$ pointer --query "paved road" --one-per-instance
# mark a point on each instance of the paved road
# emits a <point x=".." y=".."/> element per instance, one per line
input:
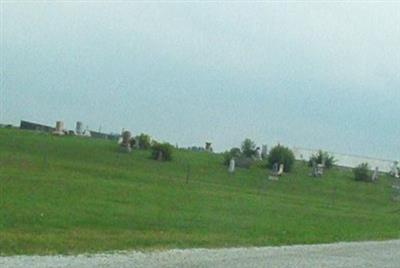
<point x="357" y="254"/>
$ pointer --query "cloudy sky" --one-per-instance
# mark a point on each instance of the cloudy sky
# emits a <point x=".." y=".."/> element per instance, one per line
<point x="314" y="75"/>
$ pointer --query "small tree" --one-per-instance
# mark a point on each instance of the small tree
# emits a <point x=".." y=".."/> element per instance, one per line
<point x="281" y="155"/>
<point x="322" y="157"/>
<point x="144" y="141"/>
<point x="248" y="148"/>
<point x="162" y="151"/>
<point x="362" y="173"/>
<point x="233" y="153"/>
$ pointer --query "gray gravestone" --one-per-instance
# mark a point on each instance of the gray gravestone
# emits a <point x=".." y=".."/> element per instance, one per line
<point x="376" y="174"/>
<point x="59" y="128"/>
<point x="126" y="141"/>
<point x="258" y="154"/>
<point x="395" y="169"/>
<point x="79" y="128"/>
<point x="264" y="151"/>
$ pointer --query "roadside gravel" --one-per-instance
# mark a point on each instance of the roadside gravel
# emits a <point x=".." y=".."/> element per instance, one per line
<point x="354" y="254"/>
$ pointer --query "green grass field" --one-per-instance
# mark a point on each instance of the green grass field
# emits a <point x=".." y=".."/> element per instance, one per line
<point x="73" y="195"/>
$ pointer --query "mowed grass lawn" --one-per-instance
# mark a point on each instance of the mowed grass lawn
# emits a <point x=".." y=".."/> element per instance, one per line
<point x="73" y="195"/>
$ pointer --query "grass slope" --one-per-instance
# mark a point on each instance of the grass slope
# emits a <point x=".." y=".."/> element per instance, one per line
<point x="72" y="195"/>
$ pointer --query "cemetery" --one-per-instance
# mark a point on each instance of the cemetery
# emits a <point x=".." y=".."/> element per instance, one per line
<point x="61" y="193"/>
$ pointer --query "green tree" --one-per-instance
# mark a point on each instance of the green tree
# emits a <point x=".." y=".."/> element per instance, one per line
<point x="322" y="157"/>
<point x="144" y="141"/>
<point x="362" y="173"/>
<point x="233" y="153"/>
<point x="248" y="148"/>
<point x="162" y="151"/>
<point x="281" y="155"/>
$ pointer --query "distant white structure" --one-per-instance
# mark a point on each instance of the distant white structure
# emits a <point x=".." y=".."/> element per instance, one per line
<point x="346" y="160"/>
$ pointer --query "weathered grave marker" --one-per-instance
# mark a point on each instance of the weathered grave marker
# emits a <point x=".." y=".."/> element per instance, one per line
<point x="126" y="141"/>
<point x="231" y="168"/>
<point x="375" y="174"/>
<point x="59" y="128"/>
<point x="264" y="151"/>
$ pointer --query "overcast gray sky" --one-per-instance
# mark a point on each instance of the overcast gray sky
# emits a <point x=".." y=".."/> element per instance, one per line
<point x="317" y="75"/>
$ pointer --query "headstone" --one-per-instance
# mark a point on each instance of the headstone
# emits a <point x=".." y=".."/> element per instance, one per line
<point x="264" y="151"/>
<point x="320" y="169"/>
<point x="273" y="178"/>
<point x="281" y="168"/>
<point x="231" y="168"/>
<point x="275" y="167"/>
<point x="395" y="169"/>
<point x="86" y="133"/>
<point x="160" y="156"/>
<point x="314" y="172"/>
<point x="208" y="147"/>
<point x="396" y="191"/>
<point x="258" y="154"/>
<point x="137" y="142"/>
<point x="126" y="144"/>
<point x="79" y="128"/>
<point x="59" y="128"/>
<point x="375" y="175"/>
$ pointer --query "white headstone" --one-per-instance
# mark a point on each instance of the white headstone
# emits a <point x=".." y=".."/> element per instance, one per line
<point x="231" y="168"/>
<point x="208" y="147"/>
<point x="258" y="154"/>
<point x="126" y="138"/>
<point x="264" y="151"/>
<point x="395" y="169"/>
<point x="320" y="169"/>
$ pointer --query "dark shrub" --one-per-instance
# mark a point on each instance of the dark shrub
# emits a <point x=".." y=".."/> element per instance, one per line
<point x="248" y="148"/>
<point x="322" y="157"/>
<point x="233" y="153"/>
<point x="132" y="142"/>
<point x="244" y="162"/>
<point x="362" y="173"/>
<point x="281" y="155"/>
<point x="161" y="151"/>
<point x="144" y="141"/>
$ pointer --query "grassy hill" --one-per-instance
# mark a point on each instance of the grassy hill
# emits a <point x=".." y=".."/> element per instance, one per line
<point x="71" y="195"/>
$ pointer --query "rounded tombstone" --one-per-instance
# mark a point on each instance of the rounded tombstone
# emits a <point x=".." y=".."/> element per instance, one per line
<point x="126" y="141"/>
<point x="59" y="128"/>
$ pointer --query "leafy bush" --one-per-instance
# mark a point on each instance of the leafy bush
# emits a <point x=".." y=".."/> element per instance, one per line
<point x="362" y="173"/>
<point x="322" y="157"/>
<point x="162" y="151"/>
<point x="281" y="155"/>
<point x="248" y="148"/>
<point x="233" y="153"/>
<point x="144" y="141"/>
